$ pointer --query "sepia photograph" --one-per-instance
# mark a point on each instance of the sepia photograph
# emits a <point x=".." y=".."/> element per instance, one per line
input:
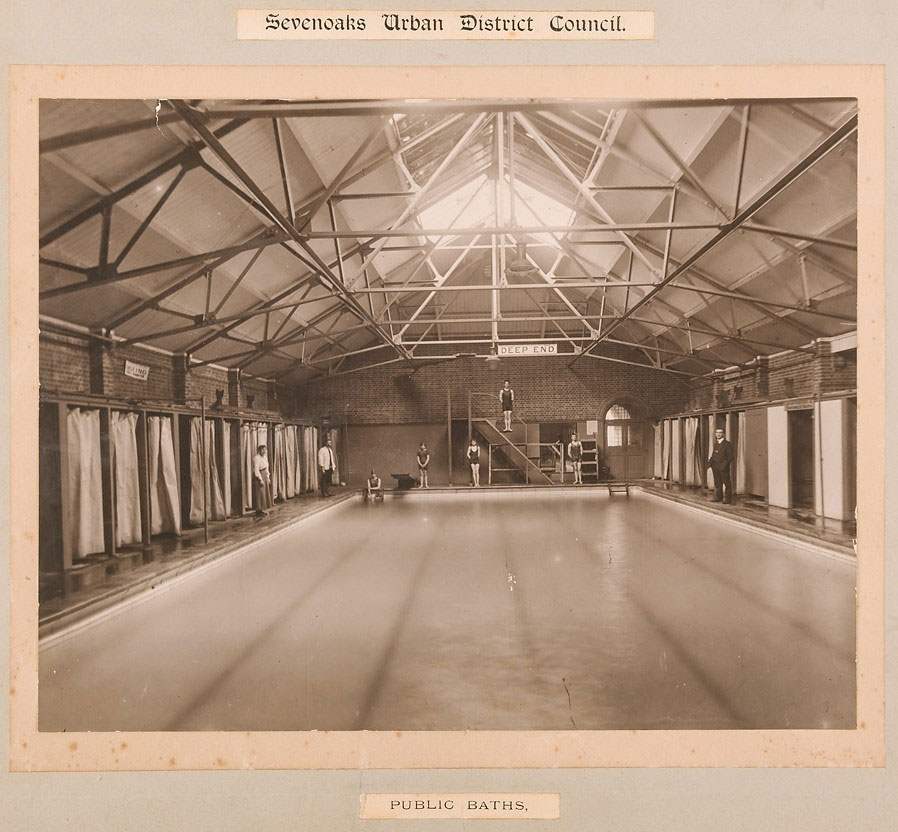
<point x="459" y="414"/>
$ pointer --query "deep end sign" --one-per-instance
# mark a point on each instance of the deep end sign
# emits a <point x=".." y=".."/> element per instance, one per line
<point x="527" y="349"/>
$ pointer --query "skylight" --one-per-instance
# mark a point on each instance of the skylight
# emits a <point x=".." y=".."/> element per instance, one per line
<point x="449" y="213"/>
<point x="474" y="204"/>
<point x="533" y="207"/>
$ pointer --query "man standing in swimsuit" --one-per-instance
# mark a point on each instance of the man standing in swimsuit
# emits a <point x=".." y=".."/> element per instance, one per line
<point x="506" y="396"/>
<point x="423" y="462"/>
<point x="575" y="454"/>
<point x="474" y="460"/>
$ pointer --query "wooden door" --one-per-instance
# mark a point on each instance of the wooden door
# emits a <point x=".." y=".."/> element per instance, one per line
<point x="625" y="443"/>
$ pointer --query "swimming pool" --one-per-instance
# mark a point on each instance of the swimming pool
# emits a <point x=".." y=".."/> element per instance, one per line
<point x="520" y="610"/>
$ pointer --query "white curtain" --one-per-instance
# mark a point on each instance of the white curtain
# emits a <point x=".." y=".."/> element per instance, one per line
<point x="665" y="461"/>
<point x="690" y="467"/>
<point x="335" y="438"/>
<point x="290" y="445"/>
<point x="85" y="482"/>
<point x="223" y="430"/>
<point x="127" y="478"/>
<point x="252" y="435"/>
<point x="279" y="463"/>
<point x="246" y="455"/>
<point x="676" y="454"/>
<point x="300" y="463"/>
<point x="740" y="454"/>
<point x="310" y="448"/>
<point x="658" y="470"/>
<point x="165" y="505"/>
<point x="215" y="501"/>
<point x="273" y="468"/>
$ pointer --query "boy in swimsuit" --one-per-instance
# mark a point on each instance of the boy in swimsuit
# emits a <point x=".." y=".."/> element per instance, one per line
<point x="575" y="454"/>
<point x="506" y="396"/>
<point x="423" y="462"/>
<point x="474" y="460"/>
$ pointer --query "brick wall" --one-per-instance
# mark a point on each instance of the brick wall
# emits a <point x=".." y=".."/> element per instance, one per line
<point x="790" y="375"/>
<point x="159" y="379"/>
<point x="839" y="371"/>
<point x="64" y="364"/>
<point x="70" y="364"/>
<point x="546" y="389"/>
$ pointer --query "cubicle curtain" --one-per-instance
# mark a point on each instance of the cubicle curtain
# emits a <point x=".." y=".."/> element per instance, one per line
<point x="215" y="501"/>
<point x="302" y="466"/>
<point x="665" y="462"/>
<point x="676" y="451"/>
<point x="290" y="453"/>
<point x="740" y="454"/>
<point x="335" y="440"/>
<point x="273" y="470"/>
<point x="690" y="467"/>
<point x="280" y="462"/>
<point x="223" y="446"/>
<point x="306" y="434"/>
<point x="246" y="455"/>
<point x="311" y="456"/>
<point x="165" y="505"/>
<point x="85" y="482"/>
<point x="127" y="478"/>
<point x="252" y="435"/>
<point x="658" y="470"/>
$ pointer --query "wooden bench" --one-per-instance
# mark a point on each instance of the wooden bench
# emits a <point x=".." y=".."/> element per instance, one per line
<point x="404" y="481"/>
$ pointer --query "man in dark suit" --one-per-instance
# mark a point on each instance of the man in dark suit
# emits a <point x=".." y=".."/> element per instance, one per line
<point x="719" y="462"/>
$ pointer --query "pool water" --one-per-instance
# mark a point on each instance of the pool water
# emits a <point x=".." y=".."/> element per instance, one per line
<point x="474" y="610"/>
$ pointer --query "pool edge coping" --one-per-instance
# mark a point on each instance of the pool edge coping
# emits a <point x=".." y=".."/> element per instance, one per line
<point x="68" y="623"/>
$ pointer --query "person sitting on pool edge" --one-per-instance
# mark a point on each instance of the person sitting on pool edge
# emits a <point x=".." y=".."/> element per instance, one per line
<point x="474" y="460"/>
<point x="374" y="489"/>
<point x="423" y="462"/>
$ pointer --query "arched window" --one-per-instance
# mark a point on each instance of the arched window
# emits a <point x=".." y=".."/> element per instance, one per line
<point x="619" y="432"/>
<point x="617" y="412"/>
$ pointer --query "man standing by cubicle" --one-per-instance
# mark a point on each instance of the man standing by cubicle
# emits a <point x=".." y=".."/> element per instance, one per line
<point x="326" y="465"/>
<point x="720" y="463"/>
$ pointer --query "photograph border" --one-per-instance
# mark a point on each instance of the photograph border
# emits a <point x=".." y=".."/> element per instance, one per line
<point x="31" y="750"/>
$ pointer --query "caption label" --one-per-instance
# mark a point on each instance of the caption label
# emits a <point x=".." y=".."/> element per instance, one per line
<point x="493" y="24"/>
<point x="529" y="806"/>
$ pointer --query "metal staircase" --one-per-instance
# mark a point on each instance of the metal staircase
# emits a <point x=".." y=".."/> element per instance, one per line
<point x="506" y="443"/>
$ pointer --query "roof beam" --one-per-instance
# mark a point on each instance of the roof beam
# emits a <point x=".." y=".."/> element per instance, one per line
<point x="475" y="126"/>
<point x="583" y="189"/>
<point x="847" y="129"/>
<point x="219" y="150"/>
<point x="338" y="180"/>
<point x="684" y="166"/>
<point x="186" y="158"/>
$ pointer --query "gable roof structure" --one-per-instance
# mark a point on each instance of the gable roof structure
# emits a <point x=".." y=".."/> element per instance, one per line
<point x="295" y="240"/>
